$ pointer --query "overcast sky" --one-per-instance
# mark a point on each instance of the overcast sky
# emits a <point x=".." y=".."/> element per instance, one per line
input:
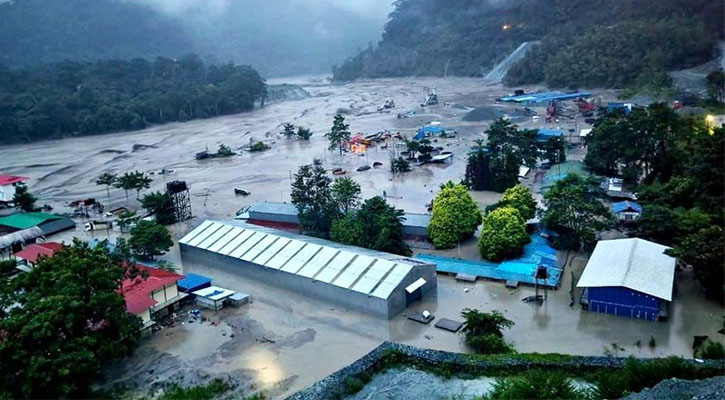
<point x="374" y="9"/>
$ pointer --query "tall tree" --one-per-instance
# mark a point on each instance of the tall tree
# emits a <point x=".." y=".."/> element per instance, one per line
<point x="23" y="198"/>
<point x="161" y="205"/>
<point x="478" y="172"/>
<point x="509" y="148"/>
<point x="572" y="207"/>
<point x="107" y="179"/>
<point x="312" y="196"/>
<point x="62" y="322"/>
<point x="148" y="239"/>
<point x="345" y="194"/>
<point x="339" y="134"/>
<point x="520" y="198"/>
<point x="127" y="181"/>
<point x="288" y="131"/>
<point x="503" y="234"/>
<point x="455" y="216"/>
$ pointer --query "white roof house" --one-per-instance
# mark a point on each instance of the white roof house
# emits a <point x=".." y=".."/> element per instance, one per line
<point x="634" y="263"/>
<point x="313" y="266"/>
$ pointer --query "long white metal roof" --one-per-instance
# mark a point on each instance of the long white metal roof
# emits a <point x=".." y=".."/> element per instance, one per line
<point x="633" y="263"/>
<point x="361" y="270"/>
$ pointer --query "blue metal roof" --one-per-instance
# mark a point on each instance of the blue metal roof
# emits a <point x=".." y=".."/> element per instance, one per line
<point x="545" y="134"/>
<point x="542" y="97"/>
<point x="621" y="206"/>
<point x="193" y="282"/>
<point x="521" y="269"/>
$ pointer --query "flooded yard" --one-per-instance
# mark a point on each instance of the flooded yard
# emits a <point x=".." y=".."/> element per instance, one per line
<point x="283" y="342"/>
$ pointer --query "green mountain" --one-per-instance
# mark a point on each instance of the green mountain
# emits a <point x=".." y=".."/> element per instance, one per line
<point x="42" y="31"/>
<point x="613" y="43"/>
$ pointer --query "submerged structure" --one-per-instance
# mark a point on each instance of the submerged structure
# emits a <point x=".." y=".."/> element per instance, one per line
<point x="368" y="281"/>
<point x="629" y="277"/>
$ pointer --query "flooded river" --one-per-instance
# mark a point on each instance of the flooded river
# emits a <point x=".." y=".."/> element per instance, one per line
<point x="284" y="342"/>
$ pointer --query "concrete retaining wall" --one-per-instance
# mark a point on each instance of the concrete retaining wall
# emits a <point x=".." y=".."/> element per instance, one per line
<point x="334" y="386"/>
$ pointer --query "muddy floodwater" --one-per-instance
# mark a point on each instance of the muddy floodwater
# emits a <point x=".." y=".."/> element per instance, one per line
<point x="283" y="342"/>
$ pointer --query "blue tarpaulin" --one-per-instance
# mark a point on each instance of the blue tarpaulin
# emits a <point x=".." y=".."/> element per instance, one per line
<point x="522" y="269"/>
<point x="193" y="282"/>
<point x="428" y="130"/>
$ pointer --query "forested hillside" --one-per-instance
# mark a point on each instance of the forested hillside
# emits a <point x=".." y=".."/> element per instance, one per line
<point x="41" y="31"/>
<point x="616" y="43"/>
<point x="73" y="98"/>
<point x="283" y="37"/>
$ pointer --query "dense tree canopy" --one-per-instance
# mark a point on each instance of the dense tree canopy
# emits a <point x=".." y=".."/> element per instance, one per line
<point x="455" y="216"/>
<point x="520" y="198"/>
<point x="148" y="239"/>
<point x="345" y="194"/>
<point x="376" y="225"/>
<point x="581" y="42"/>
<point x="503" y="234"/>
<point x="508" y="148"/>
<point x="61" y="322"/>
<point x="644" y="144"/>
<point x="83" y="98"/>
<point x="573" y="208"/>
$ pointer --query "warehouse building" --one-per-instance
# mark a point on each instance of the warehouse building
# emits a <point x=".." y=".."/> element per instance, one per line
<point x="629" y="277"/>
<point x="284" y="216"/>
<point x="368" y="281"/>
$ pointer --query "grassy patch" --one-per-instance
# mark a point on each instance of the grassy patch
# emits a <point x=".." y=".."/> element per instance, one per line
<point x="209" y="391"/>
<point x="536" y="384"/>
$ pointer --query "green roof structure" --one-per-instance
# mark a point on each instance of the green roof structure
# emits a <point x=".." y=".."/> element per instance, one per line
<point x="27" y="220"/>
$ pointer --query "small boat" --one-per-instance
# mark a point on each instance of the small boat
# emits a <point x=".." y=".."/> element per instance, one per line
<point x="363" y="168"/>
<point x="241" y="192"/>
<point x="338" y="171"/>
<point x="377" y="164"/>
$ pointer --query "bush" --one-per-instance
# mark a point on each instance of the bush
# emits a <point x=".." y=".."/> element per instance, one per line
<point x="455" y="216"/>
<point x="503" y="235"/>
<point x="258" y="146"/>
<point x="488" y="344"/>
<point x="711" y="351"/>
<point x="399" y="164"/>
<point x="483" y="331"/>
<point x="201" y="392"/>
<point x="536" y="384"/>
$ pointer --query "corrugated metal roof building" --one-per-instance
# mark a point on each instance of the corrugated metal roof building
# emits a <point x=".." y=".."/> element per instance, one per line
<point x="365" y="280"/>
<point x="48" y="223"/>
<point x="286" y="213"/>
<point x="629" y="277"/>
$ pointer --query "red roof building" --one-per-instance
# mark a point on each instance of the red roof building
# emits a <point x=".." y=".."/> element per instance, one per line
<point x="11" y="180"/>
<point x="7" y="186"/>
<point x="145" y="297"/>
<point x="32" y="252"/>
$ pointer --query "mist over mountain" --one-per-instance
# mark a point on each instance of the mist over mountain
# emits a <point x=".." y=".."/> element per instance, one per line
<point x="617" y="43"/>
<point x="282" y="37"/>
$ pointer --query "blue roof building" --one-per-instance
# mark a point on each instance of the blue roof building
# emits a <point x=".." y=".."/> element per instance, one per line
<point x="545" y="134"/>
<point x="428" y="130"/>
<point x="193" y="282"/>
<point x="626" y="210"/>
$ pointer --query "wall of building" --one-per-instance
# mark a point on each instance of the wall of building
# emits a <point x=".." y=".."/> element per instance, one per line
<point x="145" y="316"/>
<point x="208" y="261"/>
<point x="624" y="302"/>
<point x="274" y="217"/>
